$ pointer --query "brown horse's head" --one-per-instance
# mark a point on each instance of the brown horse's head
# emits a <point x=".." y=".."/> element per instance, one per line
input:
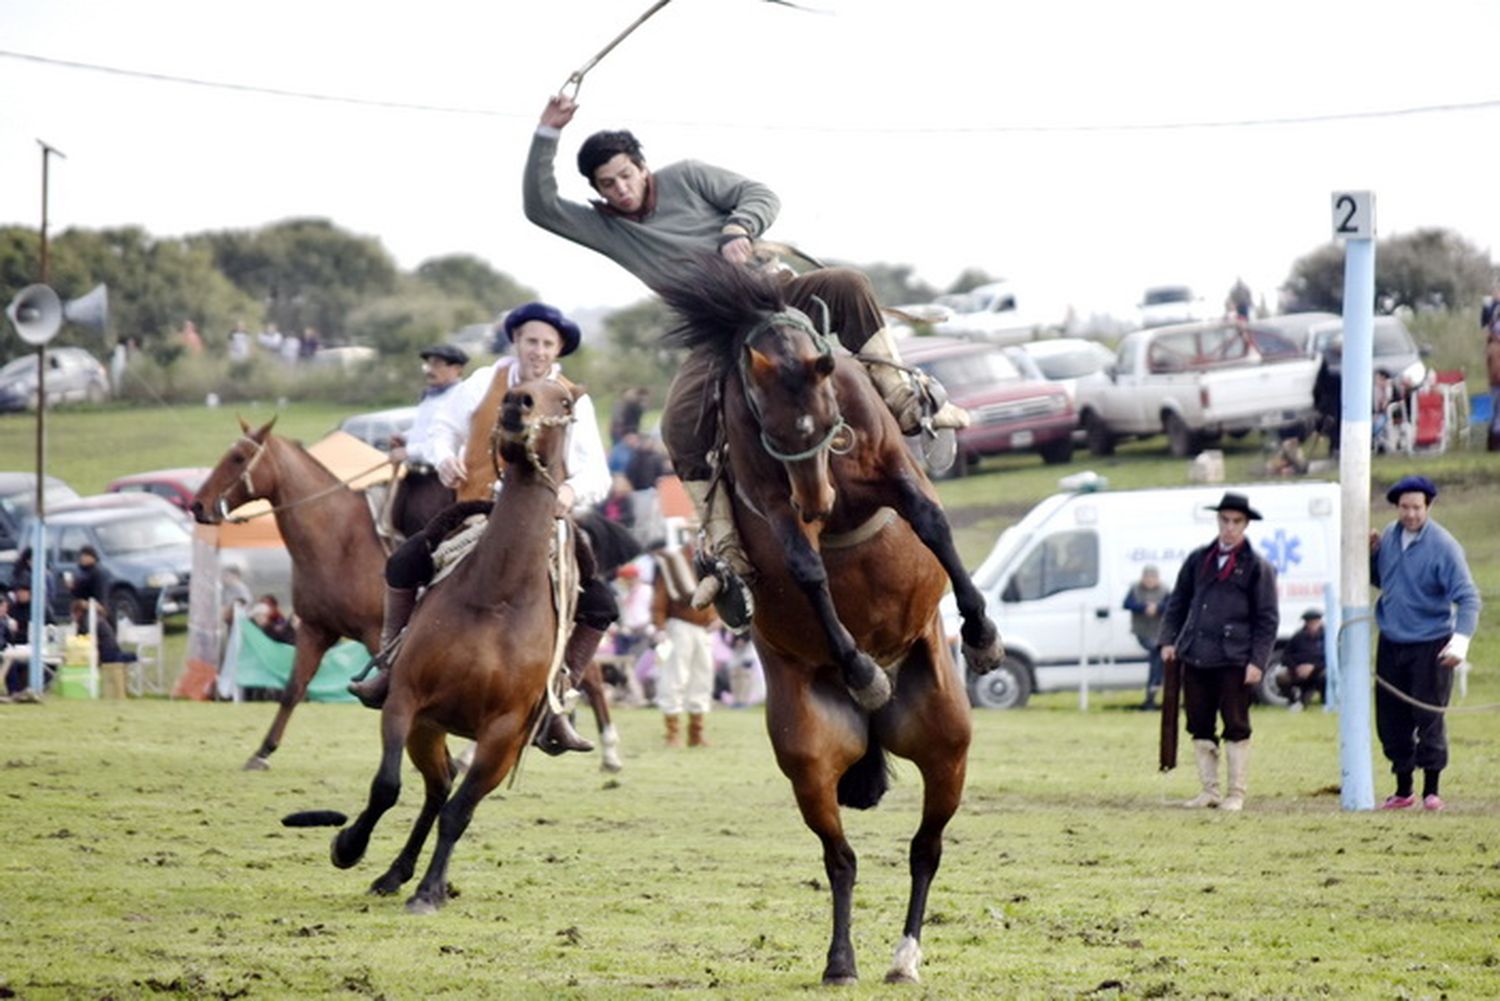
<point x="531" y="433"/>
<point x="786" y="373"/>
<point x="241" y="476"/>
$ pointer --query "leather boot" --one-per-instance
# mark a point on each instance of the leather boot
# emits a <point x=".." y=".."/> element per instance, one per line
<point x="695" y="731"/>
<point x="1207" y="753"/>
<point x="903" y="391"/>
<point x="556" y="734"/>
<point x="673" y="739"/>
<point x="373" y="688"/>
<point x="721" y="564"/>
<point x="1239" y="775"/>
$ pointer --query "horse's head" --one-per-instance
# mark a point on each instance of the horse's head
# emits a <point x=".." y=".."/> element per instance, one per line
<point x="786" y="372"/>
<point x="240" y="477"/>
<point x="532" y="430"/>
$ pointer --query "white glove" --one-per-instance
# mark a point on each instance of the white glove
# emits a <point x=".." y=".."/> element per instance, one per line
<point x="1457" y="649"/>
<point x="451" y="472"/>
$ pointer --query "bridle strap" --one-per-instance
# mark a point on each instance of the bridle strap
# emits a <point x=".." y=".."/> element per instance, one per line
<point x="793" y="317"/>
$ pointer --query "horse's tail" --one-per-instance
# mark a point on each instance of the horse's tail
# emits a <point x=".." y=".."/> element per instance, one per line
<point x="863" y="785"/>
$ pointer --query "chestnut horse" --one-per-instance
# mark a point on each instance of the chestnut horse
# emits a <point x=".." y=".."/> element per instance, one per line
<point x="478" y="652"/>
<point x="852" y="553"/>
<point x="338" y="563"/>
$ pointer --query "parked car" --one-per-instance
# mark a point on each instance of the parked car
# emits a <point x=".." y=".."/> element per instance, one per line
<point x="377" y="427"/>
<point x="996" y="312"/>
<point x="1197" y="381"/>
<point x="1394" y="348"/>
<point x="1011" y="413"/>
<point x="1162" y="305"/>
<point x="177" y="486"/>
<point x="345" y="355"/>
<point x="18" y="503"/>
<point x="145" y="554"/>
<point x="1067" y="361"/>
<point x="73" y="376"/>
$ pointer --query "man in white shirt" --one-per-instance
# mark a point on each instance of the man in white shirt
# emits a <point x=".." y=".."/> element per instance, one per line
<point x="421" y="495"/>
<point x="540" y="334"/>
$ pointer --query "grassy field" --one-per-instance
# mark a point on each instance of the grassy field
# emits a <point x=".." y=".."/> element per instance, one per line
<point x="144" y="864"/>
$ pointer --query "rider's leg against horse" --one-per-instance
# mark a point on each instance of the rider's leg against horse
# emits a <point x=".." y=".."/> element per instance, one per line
<point x="689" y="425"/>
<point x="854" y="314"/>
<point x="557" y="735"/>
<point x="597" y="610"/>
<point x="407" y="569"/>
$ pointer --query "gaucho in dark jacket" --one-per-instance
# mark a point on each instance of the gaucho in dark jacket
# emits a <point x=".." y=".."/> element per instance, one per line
<point x="1220" y="623"/>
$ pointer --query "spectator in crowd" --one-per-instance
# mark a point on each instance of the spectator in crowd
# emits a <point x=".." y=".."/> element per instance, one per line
<point x="1145" y="601"/>
<point x="311" y="343"/>
<point x="270" y="338"/>
<point x="1427" y="613"/>
<point x="15" y="654"/>
<point x="1303" y="664"/>
<point x="625" y="418"/>
<point x="190" y="338"/>
<point x="291" y="349"/>
<point x="240" y="344"/>
<point x="267" y="615"/>
<point x="105" y="642"/>
<point x="1328" y="395"/>
<point x="685" y="678"/>
<point x="89" y="582"/>
<point x="1492" y="363"/>
<point x="1221" y="623"/>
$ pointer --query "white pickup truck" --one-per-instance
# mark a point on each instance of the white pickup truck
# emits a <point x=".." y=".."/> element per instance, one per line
<point x="1195" y="382"/>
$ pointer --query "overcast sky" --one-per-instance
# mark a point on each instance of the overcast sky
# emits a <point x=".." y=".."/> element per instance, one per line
<point x="939" y="133"/>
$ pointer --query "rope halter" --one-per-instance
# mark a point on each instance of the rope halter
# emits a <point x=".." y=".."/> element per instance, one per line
<point x="531" y="429"/>
<point x="839" y="438"/>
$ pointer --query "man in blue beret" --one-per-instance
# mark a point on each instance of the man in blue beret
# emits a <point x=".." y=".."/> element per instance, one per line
<point x="1427" y="613"/>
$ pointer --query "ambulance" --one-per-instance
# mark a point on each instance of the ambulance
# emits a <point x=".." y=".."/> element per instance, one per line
<point x="1055" y="582"/>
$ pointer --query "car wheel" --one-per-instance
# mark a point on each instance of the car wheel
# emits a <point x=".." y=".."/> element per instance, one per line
<point x="1006" y="687"/>
<point x="1101" y="442"/>
<point x="124" y="603"/>
<point x="1180" y="439"/>
<point x="1268" y="693"/>
<point x="1058" y="452"/>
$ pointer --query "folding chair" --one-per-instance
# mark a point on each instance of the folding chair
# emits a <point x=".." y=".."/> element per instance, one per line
<point x="1454" y="386"/>
<point x="1430" y="422"/>
<point x="146" y="674"/>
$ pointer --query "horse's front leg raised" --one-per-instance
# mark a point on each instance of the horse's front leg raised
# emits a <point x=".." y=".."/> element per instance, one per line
<point x="862" y="676"/>
<point x="312" y="644"/>
<point x="983" y="650"/>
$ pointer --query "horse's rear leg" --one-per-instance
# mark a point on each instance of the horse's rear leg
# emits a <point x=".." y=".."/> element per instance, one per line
<point x="350" y="843"/>
<point x="983" y="650"/>
<point x="498" y="748"/>
<point x="311" y="646"/>
<point x="593" y="688"/>
<point x="428" y="749"/>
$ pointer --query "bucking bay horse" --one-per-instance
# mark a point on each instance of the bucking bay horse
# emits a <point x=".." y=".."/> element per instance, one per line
<point x="852" y="553"/>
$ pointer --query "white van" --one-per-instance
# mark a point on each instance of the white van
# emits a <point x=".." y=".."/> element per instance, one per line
<point x="1056" y="581"/>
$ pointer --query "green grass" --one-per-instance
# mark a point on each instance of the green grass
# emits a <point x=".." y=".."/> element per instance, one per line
<point x="143" y="864"/>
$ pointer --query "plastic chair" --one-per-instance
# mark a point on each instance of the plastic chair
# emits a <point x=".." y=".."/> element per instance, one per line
<point x="145" y="674"/>
<point x="1430" y="423"/>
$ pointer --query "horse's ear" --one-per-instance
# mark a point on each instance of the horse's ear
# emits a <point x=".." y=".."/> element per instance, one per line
<point x="261" y="434"/>
<point x="244" y="424"/>
<point x="825" y="364"/>
<point x="577" y="391"/>
<point x="761" y="366"/>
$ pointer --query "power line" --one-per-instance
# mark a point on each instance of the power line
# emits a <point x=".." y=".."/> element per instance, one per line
<point x="1235" y="123"/>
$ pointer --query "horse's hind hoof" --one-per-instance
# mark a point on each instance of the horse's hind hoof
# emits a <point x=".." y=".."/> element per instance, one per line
<point x="983" y="650"/>
<point x="840" y="979"/>
<point x="421" y="906"/>
<point x="876" y="692"/>
<point x="257" y="764"/>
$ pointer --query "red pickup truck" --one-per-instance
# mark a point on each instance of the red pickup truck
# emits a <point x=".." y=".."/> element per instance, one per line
<point x="1010" y="412"/>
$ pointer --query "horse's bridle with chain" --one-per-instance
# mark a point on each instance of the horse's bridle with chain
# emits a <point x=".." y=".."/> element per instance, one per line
<point x="791" y="317"/>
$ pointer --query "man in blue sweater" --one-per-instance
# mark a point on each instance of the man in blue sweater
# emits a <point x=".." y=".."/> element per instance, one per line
<point x="1427" y="613"/>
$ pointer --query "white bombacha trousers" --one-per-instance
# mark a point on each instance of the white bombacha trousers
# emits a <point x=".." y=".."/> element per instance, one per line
<point x="685" y="680"/>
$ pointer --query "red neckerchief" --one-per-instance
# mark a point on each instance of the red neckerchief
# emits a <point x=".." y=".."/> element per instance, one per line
<point x="648" y="204"/>
<point x="1228" y="567"/>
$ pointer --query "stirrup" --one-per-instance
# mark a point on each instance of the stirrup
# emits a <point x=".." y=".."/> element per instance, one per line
<point x="732" y="599"/>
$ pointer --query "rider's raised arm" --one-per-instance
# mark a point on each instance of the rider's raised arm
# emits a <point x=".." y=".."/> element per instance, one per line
<point x="545" y="206"/>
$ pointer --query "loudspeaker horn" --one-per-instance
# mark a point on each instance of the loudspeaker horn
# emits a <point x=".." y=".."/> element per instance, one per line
<point x="89" y="310"/>
<point x="37" y="313"/>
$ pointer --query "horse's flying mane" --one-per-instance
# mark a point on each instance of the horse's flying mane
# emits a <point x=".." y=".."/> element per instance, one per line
<point x="717" y="303"/>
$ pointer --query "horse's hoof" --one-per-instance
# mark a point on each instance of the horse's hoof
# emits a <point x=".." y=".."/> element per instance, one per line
<point x="340" y="855"/>
<point x="982" y="660"/>
<point x="611" y="762"/>
<point x="257" y="764"/>
<point x="902" y="977"/>
<point x="386" y="885"/>
<point x="840" y="979"/>
<point x="421" y="906"/>
<point x="876" y="692"/>
<point x="906" y="962"/>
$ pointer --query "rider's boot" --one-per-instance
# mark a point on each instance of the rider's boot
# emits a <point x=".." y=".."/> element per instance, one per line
<point x="556" y="734"/>
<point x="904" y="391"/>
<point x="721" y="564"/>
<point x="374" y="687"/>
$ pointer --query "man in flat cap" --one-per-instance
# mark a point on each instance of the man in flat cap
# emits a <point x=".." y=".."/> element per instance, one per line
<point x="1303" y="662"/>
<point x="1427" y="613"/>
<point x="1221" y="623"/>
<point x="421" y="495"/>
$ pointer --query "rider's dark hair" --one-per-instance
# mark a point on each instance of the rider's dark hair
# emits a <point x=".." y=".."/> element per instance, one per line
<point x="602" y="147"/>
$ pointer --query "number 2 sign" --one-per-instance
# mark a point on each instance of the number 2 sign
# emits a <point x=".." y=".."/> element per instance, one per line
<point x="1353" y="215"/>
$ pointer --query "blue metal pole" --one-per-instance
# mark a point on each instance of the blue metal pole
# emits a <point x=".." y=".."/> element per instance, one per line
<point x="1357" y="789"/>
<point x="1333" y="679"/>
<point x="38" y="629"/>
